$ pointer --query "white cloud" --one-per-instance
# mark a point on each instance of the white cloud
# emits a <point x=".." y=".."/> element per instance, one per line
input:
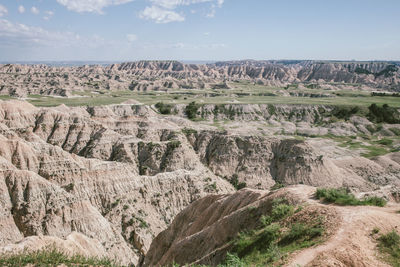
<point x="160" y="15"/>
<point x="49" y="15"/>
<point x="163" y="11"/>
<point x="131" y="37"/>
<point x="3" y="10"/>
<point x="213" y="9"/>
<point x="20" y="35"/>
<point x="184" y="46"/>
<point x="21" y="9"/>
<point x="95" y="6"/>
<point x="172" y="4"/>
<point x="35" y="10"/>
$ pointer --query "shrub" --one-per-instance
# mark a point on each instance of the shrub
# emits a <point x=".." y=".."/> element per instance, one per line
<point x="164" y="108"/>
<point x="235" y="182"/>
<point x="189" y="131"/>
<point x="277" y="185"/>
<point x="375" y="231"/>
<point x="281" y="211"/>
<point x="359" y="70"/>
<point x="389" y="245"/>
<point x="345" y="112"/>
<point x="263" y="239"/>
<point x="51" y="258"/>
<point x="345" y="198"/>
<point x="173" y="144"/>
<point x="374" y="201"/>
<point x="383" y="114"/>
<point x="191" y="110"/>
<point x="396" y="131"/>
<point x="388" y="71"/>
<point x="301" y="232"/>
<point x="391" y="239"/>
<point x="385" y="142"/>
<point x="233" y="260"/>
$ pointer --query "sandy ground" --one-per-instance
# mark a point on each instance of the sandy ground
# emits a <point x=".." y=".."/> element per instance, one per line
<point x="353" y="244"/>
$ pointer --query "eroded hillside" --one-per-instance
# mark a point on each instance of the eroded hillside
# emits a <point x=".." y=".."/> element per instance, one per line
<point x="23" y="80"/>
<point x="106" y="180"/>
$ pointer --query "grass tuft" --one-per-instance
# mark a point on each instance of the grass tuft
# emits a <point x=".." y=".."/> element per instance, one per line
<point x="344" y="198"/>
<point x="389" y="246"/>
<point x="51" y="257"/>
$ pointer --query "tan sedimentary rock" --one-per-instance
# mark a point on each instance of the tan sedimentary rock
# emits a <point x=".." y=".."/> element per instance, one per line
<point x="116" y="176"/>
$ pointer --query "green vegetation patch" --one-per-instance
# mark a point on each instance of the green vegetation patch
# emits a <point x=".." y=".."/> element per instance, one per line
<point x="270" y="244"/>
<point x="345" y="112"/>
<point x="191" y="110"/>
<point x="235" y="182"/>
<point x="372" y="146"/>
<point x="383" y="113"/>
<point x="163" y="108"/>
<point x="344" y="198"/>
<point x="389" y="246"/>
<point x="51" y="257"/>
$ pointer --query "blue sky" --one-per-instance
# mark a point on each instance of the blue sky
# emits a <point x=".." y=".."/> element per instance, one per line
<point x="123" y="30"/>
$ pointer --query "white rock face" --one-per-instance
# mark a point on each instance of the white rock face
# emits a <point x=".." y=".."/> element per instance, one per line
<point x="106" y="180"/>
<point x="21" y="80"/>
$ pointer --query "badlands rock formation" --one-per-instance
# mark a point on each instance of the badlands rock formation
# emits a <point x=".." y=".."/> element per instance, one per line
<point x="104" y="181"/>
<point x="21" y="80"/>
<point x="203" y="232"/>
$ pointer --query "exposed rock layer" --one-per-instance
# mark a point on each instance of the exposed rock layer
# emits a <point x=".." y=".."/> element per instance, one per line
<point x="113" y="177"/>
<point x="20" y="80"/>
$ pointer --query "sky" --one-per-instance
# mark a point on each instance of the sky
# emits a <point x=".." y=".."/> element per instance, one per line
<point x="210" y="30"/>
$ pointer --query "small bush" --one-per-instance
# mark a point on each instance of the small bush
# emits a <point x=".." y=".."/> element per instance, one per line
<point x="385" y="142"/>
<point x="164" y="108"/>
<point x="375" y="231"/>
<point x="301" y="232"/>
<point x="189" y="131"/>
<point x="263" y="239"/>
<point x="392" y="239"/>
<point x="51" y="257"/>
<point x="345" y="112"/>
<point x="374" y="201"/>
<point x="281" y="211"/>
<point x="383" y="114"/>
<point x="277" y="186"/>
<point x="345" y="198"/>
<point x="389" y="245"/>
<point x="191" y="110"/>
<point x="396" y="131"/>
<point x="233" y="260"/>
<point x="235" y="182"/>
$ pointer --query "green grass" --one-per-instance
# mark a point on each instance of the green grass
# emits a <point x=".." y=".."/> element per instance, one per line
<point x="277" y="186"/>
<point x="243" y="92"/>
<point x="51" y="258"/>
<point x="389" y="246"/>
<point x="396" y="131"/>
<point x="370" y="146"/>
<point x="374" y="151"/>
<point x="5" y="97"/>
<point x="274" y="240"/>
<point x="344" y="198"/>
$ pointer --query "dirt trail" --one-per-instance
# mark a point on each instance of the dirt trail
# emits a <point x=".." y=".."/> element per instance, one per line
<point x="352" y="244"/>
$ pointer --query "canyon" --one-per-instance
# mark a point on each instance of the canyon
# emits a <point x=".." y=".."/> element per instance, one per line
<point x="146" y="186"/>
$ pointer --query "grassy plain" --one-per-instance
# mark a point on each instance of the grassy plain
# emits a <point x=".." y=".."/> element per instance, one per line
<point x="243" y="92"/>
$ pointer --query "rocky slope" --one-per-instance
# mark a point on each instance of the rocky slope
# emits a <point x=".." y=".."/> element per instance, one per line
<point x="104" y="181"/>
<point x="203" y="232"/>
<point x="20" y="80"/>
